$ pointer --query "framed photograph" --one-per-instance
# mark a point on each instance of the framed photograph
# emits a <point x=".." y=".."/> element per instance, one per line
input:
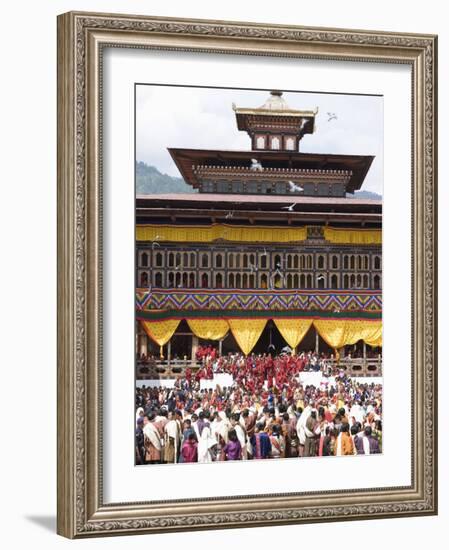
<point x="246" y="274"/>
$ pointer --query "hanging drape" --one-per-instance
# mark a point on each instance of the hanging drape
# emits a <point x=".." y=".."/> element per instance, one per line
<point x="207" y="234"/>
<point x="351" y="236"/>
<point x="247" y="332"/>
<point x="338" y="333"/>
<point x="209" y="329"/>
<point x="160" y="331"/>
<point x="293" y="330"/>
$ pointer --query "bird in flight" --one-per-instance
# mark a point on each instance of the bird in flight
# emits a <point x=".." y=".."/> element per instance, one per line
<point x="154" y="243"/>
<point x="331" y="116"/>
<point x="229" y="215"/>
<point x="256" y="165"/>
<point x="320" y="278"/>
<point x="292" y="187"/>
<point x="290" y="208"/>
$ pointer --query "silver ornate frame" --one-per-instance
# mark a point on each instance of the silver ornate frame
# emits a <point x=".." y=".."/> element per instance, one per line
<point x="81" y="38"/>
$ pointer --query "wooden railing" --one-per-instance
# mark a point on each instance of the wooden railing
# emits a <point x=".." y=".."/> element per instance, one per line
<point x="168" y="369"/>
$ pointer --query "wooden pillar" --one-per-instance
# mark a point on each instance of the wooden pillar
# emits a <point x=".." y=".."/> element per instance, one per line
<point x="365" y="369"/>
<point x="194" y="347"/>
<point x="317" y="342"/>
<point x="169" y="352"/>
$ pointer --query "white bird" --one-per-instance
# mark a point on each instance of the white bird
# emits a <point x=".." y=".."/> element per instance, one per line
<point x="290" y="208"/>
<point x="177" y="267"/>
<point x="320" y="277"/>
<point x="154" y="243"/>
<point x="264" y="253"/>
<point x="256" y="166"/>
<point x="331" y="116"/>
<point x="292" y="186"/>
<point x="229" y="215"/>
<point x="253" y="268"/>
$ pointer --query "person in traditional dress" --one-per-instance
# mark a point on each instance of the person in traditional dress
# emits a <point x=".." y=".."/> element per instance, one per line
<point x="140" y="442"/>
<point x="261" y="443"/>
<point x="277" y="442"/>
<point x="172" y="433"/>
<point x="152" y="441"/>
<point x="232" y="450"/>
<point x="366" y="444"/>
<point x="241" y="434"/>
<point x="189" y="449"/>
<point x="344" y="445"/>
<point x="206" y="446"/>
<point x="311" y="432"/>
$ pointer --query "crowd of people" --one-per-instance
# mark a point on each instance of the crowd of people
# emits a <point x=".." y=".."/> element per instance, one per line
<point x="265" y="413"/>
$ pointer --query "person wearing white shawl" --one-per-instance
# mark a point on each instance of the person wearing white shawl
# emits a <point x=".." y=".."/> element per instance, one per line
<point x="241" y="434"/>
<point x="152" y="442"/>
<point x="205" y="445"/>
<point x="301" y="428"/>
<point x="172" y="438"/>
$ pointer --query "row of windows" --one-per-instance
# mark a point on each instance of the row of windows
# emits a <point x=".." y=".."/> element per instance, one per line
<point x="275" y="142"/>
<point x="263" y="260"/>
<point x="260" y="281"/>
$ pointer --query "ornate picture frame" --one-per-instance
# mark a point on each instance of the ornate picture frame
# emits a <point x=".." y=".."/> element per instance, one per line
<point x="82" y="38"/>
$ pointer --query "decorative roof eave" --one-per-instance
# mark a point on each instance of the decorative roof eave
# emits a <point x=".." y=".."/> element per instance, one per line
<point x="270" y="112"/>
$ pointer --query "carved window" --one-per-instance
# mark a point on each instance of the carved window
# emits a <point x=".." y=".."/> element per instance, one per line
<point x="334" y="281"/>
<point x="275" y="142"/>
<point x="159" y="259"/>
<point x="185" y="259"/>
<point x="158" y="279"/>
<point x="263" y="261"/>
<point x="290" y="144"/>
<point x="204" y="280"/>
<point x="231" y="282"/>
<point x="263" y="281"/>
<point x="376" y="282"/>
<point x="171" y="279"/>
<point x="377" y="263"/>
<point x="231" y="260"/>
<point x="260" y="142"/>
<point x="320" y="262"/>
<point x="321" y="280"/>
<point x="219" y="280"/>
<point x="144" y="259"/>
<point x="192" y="259"/>
<point x="334" y="262"/>
<point x="218" y="260"/>
<point x="204" y="260"/>
<point x="144" y="279"/>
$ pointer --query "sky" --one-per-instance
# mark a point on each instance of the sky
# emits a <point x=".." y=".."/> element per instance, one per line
<point x="202" y="118"/>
